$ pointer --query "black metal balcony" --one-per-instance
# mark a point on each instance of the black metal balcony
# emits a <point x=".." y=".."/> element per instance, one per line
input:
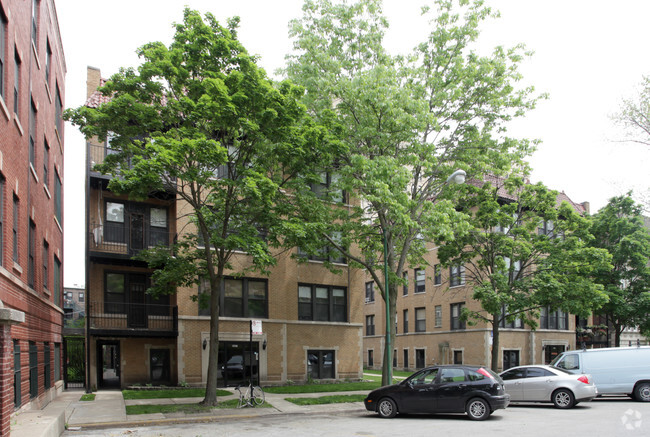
<point x="127" y="238"/>
<point x="133" y="319"/>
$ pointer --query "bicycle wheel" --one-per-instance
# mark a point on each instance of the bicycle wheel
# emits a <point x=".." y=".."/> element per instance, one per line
<point x="257" y="395"/>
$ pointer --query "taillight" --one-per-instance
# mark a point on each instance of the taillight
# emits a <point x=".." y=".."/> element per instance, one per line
<point x="485" y="373"/>
<point x="584" y="379"/>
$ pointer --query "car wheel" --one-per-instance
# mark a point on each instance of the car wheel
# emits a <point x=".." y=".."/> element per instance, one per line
<point x="563" y="398"/>
<point x="387" y="408"/>
<point x="477" y="409"/>
<point x="642" y="392"/>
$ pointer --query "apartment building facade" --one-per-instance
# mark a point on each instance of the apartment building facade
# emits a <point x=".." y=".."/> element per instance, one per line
<point x="429" y="329"/>
<point x="308" y="320"/>
<point x="32" y="79"/>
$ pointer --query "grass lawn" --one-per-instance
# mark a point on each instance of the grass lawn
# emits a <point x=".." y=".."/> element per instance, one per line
<point x="88" y="397"/>
<point x="324" y="388"/>
<point x="184" y="408"/>
<point x="335" y="399"/>
<point x="399" y="373"/>
<point x="169" y="393"/>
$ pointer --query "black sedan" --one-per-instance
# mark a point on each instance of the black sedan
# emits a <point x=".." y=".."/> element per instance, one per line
<point x="477" y="391"/>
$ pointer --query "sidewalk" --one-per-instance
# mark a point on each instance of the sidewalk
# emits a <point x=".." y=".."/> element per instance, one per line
<point x="108" y="410"/>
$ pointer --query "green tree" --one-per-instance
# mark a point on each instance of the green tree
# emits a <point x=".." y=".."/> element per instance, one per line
<point x="406" y="123"/>
<point x="201" y="120"/>
<point x="524" y="252"/>
<point x="619" y="228"/>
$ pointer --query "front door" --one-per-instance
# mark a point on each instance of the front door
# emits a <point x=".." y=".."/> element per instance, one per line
<point x="136" y="232"/>
<point x="510" y="359"/>
<point x="235" y="366"/>
<point x="108" y="364"/>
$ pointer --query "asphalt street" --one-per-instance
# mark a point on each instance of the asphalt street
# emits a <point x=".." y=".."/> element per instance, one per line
<point x="609" y="417"/>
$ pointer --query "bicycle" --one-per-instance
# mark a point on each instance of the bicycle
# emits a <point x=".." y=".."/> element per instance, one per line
<point x="252" y="396"/>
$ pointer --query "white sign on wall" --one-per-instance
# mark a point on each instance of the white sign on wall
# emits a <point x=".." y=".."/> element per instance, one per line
<point x="256" y="327"/>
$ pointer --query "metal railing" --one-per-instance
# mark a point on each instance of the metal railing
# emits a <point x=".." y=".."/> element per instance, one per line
<point x="120" y="238"/>
<point x="133" y="316"/>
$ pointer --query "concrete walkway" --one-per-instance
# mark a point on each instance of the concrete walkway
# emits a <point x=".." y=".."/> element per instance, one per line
<point x="109" y="410"/>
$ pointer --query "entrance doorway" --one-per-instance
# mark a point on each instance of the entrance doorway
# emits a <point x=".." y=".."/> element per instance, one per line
<point x="510" y="359"/>
<point x="235" y="366"/>
<point x="551" y="351"/>
<point x="108" y="364"/>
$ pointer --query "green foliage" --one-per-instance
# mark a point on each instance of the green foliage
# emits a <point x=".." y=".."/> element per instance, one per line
<point x="168" y="393"/>
<point x="405" y="124"/>
<point x="87" y="397"/>
<point x="515" y="269"/>
<point x="619" y="229"/>
<point x="201" y="121"/>
<point x="323" y="388"/>
<point x="322" y="400"/>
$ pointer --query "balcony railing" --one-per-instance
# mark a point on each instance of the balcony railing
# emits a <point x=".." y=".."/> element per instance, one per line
<point x="123" y="239"/>
<point x="130" y="317"/>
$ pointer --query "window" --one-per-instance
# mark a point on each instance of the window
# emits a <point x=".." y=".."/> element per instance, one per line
<point x="322" y="303"/>
<point x="514" y="373"/>
<point x="405" y="277"/>
<point x="46" y="257"/>
<point x="456" y="275"/>
<point x="326" y="253"/>
<point x="46" y="163"/>
<point x="158" y="217"/>
<point x="17" y="377"/>
<point x="438" y="319"/>
<point x="32" y="133"/>
<point x="437" y="274"/>
<point x="56" y="295"/>
<point x="114" y="293"/>
<point x="15" y="228"/>
<point x="58" y="120"/>
<point x="546" y="228"/>
<point x="458" y="357"/>
<point x="16" y="82"/>
<point x="370" y="325"/>
<point x="320" y="364"/>
<point x="456" y="311"/>
<point x="420" y="277"/>
<point x="58" y="200"/>
<point x="370" y="291"/>
<point x="82" y="297"/>
<point x="553" y="319"/>
<point x="512" y="268"/>
<point x="115" y="228"/>
<point x="326" y="187"/>
<point x="371" y="358"/>
<point x="240" y="297"/>
<point x="420" y="320"/>
<point x="405" y="321"/>
<point x="406" y="358"/>
<point x="3" y="33"/>
<point x="31" y="253"/>
<point x="35" y="7"/>
<point x="57" y="361"/>
<point x="48" y="63"/>
<point x="33" y="369"/>
<point x="516" y="323"/>
<point x="47" y="366"/>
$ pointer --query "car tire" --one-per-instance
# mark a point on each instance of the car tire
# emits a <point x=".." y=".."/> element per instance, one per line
<point x="477" y="409"/>
<point x="387" y="408"/>
<point x="563" y="399"/>
<point x="642" y="392"/>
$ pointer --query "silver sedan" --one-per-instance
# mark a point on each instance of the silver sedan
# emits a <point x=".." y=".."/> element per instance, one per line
<point x="540" y="383"/>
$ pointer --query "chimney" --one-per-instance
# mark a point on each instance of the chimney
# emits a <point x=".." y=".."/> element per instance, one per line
<point x="94" y="77"/>
<point x="585" y="205"/>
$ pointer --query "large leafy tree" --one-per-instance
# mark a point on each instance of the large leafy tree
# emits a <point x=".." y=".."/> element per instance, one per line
<point x="406" y="123"/>
<point x="634" y="115"/>
<point x="200" y="119"/>
<point x="618" y="227"/>
<point x="525" y="251"/>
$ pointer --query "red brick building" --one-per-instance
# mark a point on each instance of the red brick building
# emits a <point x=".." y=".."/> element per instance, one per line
<point x="32" y="80"/>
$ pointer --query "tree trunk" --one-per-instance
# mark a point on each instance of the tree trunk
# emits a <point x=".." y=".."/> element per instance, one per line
<point x="213" y="361"/>
<point x="494" y="365"/>
<point x="385" y="380"/>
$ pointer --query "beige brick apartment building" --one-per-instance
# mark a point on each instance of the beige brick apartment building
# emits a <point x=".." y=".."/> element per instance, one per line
<point x="429" y="329"/>
<point x="311" y="319"/>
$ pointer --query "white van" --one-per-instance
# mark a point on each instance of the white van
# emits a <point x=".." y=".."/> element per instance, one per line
<point x="621" y="370"/>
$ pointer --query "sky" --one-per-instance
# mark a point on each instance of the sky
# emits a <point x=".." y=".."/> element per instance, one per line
<point x="589" y="55"/>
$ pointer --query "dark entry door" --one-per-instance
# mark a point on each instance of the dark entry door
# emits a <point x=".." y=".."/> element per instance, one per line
<point x="74" y="359"/>
<point x="137" y="231"/>
<point x="137" y="301"/>
<point x="235" y="363"/>
<point x="108" y="364"/>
